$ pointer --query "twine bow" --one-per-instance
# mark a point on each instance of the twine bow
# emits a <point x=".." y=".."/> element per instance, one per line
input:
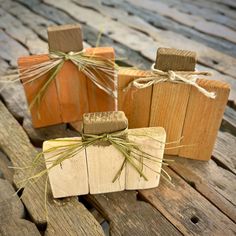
<point x="92" y="66"/>
<point x="158" y="76"/>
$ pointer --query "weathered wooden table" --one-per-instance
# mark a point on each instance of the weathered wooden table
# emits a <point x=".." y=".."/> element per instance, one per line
<point x="203" y="200"/>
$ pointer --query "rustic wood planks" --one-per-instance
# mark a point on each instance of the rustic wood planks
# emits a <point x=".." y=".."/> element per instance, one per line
<point x="70" y="216"/>
<point x="190" y="212"/>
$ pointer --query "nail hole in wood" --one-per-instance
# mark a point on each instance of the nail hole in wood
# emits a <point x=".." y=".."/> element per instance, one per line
<point x="215" y="62"/>
<point x="195" y="219"/>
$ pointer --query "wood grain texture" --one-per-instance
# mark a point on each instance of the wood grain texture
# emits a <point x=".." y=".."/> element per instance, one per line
<point x="18" y="227"/>
<point x="175" y="59"/>
<point x="70" y="178"/>
<point x="144" y="43"/>
<point x="202" y="121"/>
<point x="10" y="204"/>
<point x="5" y="171"/>
<point x="103" y="164"/>
<point x="192" y="21"/>
<point x="135" y="103"/>
<point x="211" y="180"/>
<point x="65" y="38"/>
<point x="170" y="100"/>
<point x="139" y="20"/>
<point x="66" y="217"/>
<point x="12" y="211"/>
<point x="47" y="112"/>
<point x="225" y="150"/>
<point x="99" y="100"/>
<point x="190" y="212"/>
<point x="128" y="216"/>
<point x="70" y="82"/>
<point x="67" y="97"/>
<point x="104" y="122"/>
<point x="168" y="110"/>
<point x="153" y="144"/>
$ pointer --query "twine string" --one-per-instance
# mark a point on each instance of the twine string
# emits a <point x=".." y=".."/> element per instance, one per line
<point x="90" y="65"/>
<point x="71" y="147"/>
<point x="159" y="76"/>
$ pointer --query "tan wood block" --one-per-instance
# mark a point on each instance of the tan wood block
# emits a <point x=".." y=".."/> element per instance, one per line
<point x="135" y="103"/>
<point x="65" y="38"/>
<point x="203" y="119"/>
<point x="70" y="178"/>
<point x="175" y="59"/>
<point x="104" y="122"/>
<point x="151" y="169"/>
<point x="168" y="110"/>
<point x="103" y="164"/>
<point x="170" y="100"/>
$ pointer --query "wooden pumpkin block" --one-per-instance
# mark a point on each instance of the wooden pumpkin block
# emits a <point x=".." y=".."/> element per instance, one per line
<point x="151" y="168"/>
<point x="67" y="97"/>
<point x="203" y="119"/>
<point x="135" y="103"/>
<point x="70" y="178"/>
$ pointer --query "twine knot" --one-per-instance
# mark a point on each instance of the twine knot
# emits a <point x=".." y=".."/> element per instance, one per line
<point x="158" y="76"/>
<point x="68" y="56"/>
<point x="171" y="75"/>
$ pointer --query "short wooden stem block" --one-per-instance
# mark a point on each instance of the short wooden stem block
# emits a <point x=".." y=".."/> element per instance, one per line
<point x="135" y="103"/>
<point x="65" y="38"/>
<point x="70" y="178"/>
<point x="151" y="168"/>
<point x="175" y="59"/>
<point x="104" y="122"/>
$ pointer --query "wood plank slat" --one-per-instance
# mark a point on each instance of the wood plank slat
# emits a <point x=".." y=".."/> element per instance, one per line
<point x="20" y="227"/>
<point x="135" y="103"/>
<point x="123" y="10"/>
<point x="128" y="216"/>
<point x="12" y="211"/>
<point x="190" y="212"/>
<point x="127" y="36"/>
<point x="202" y="120"/>
<point x="200" y="10"/>
<point x="27" y="37"/>
<point x="66" y="217"/>
<point x="225" y="151"/>
<point x="196" y="22"/>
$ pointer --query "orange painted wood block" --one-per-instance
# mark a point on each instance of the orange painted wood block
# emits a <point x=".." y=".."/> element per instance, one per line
<point x="135" y="103"/>
<point x="203" y="119"/>
<point x="69" y="96"/>
<point x="99" y="100"/>
<point x="71" y="93"/>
